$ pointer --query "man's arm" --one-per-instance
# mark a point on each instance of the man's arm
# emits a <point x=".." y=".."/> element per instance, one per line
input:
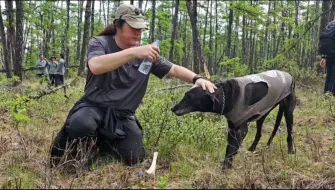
<point x="109" y="62"/>
<point x="181" y="73"/>
<point x="186" y="75"/>
<point x="100" y="63"/>
<point x="323" y="63"/>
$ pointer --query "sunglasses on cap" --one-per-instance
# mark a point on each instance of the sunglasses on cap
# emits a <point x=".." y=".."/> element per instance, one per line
<point x="137" y="11"/>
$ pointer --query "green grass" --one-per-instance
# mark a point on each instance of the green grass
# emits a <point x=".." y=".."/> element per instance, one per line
<point x="190" y="147"/>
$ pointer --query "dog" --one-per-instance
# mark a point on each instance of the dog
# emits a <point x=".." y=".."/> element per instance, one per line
<point x="243" y="100"/>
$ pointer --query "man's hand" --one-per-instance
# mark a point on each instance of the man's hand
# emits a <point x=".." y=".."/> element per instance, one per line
<point x="205" y="84"/>
<point x="149" y="51"/>
<point x="323" y="63"/>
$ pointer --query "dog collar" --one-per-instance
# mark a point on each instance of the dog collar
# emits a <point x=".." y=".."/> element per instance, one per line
<point x="223" y="101"/>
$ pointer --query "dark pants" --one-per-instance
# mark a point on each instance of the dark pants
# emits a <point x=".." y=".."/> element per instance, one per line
<point x="59" y="79"/>
<point x="330" y="76"/>
<point x="52" y="78"/>
<point x="85" y="122"/>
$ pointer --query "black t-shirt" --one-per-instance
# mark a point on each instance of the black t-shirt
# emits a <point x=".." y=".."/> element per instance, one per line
<point x="124" y="87"/>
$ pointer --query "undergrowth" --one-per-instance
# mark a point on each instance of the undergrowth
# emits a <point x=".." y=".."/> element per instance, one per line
<point x="190" y="147"/>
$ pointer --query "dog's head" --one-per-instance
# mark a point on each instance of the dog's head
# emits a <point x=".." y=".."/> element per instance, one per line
<point x="196" y="99"/>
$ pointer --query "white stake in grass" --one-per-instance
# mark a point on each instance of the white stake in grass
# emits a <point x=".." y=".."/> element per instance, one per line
<point x="151" y="171"/>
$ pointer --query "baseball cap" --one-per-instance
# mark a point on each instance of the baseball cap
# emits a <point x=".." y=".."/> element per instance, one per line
<point x="132" y="15"/>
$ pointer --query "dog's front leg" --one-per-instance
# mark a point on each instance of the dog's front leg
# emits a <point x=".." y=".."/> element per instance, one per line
<point x="235" y="139"/>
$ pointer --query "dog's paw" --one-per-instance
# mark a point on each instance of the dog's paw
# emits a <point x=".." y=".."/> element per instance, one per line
<point x="225" y="166"/>
<point x="252" y="149"/>
<point x="291" y="151"/>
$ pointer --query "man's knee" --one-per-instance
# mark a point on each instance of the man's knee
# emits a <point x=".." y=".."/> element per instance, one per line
<point x="83" y="122"/>
<point x="131" y="149"/>
<point x="133" y="155"/>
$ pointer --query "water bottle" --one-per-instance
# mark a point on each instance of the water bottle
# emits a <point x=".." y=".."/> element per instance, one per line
<point x="146" y="63"/>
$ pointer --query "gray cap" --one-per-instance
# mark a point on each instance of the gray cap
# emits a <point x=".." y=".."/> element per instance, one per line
<point x="132" y="15"/>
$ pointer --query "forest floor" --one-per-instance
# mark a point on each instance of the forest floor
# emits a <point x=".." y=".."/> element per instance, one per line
<point x="190" y="147"/>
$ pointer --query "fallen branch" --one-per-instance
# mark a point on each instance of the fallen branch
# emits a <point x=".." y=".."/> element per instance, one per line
<point x="50" y="91"/>
<point x="173" y="87"/>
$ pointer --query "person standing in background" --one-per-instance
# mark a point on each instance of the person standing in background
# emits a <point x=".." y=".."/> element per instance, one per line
<point x="42" y="66"/>
<point x="52" y="70"/>
<point x="61" y="68"/>
<point x="57" y="73"/>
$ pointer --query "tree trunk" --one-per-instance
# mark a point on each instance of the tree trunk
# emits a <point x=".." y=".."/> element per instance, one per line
<point x="104" y="12"/>
<point x="315" y="35"/>
<point x="332" y="11"/>
<point x="274" y="34"/>
<point x="324" y="18"/>
<point x="174" y="30"/>
<point x="230" y="23"/>
<point x="205" y="30"/>
<point x="92" y="20"/>
<point x="10" y="31"/>
<point x="266" y="38"/>
<point x="198" y="54"/>
<point x="107" y="19"/>
<point x="140" y="3"/>
<point x="52" y="33"/>
<point x="214" y="67"/>
<point x="303" y="61"/>
<point x="282" y="37"/>
<point x="296" y="35"/>
<point x="185" y="49"/>
<point x="67" y="52"/>
<point x="235" y="49"/>
<point x="210" y="57"/>
<point x="254" y="53"/>
<point x="80" y="13"/>
<point x="100" y="7"/>
<point x="66" y="30"/>
<point x="85" y="38"/>
<point x="250" y="50"/>
<point x="19" y="39"/>
<point x="5" y="51"/>
<point x="152" y="27"/>
<point x="244" y="44"/>
<point x="132" y="2"/>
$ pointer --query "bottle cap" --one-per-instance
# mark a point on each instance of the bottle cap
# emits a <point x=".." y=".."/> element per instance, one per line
<point x="157" y="43"/>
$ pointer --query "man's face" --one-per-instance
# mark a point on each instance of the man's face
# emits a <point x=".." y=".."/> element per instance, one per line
<point x="130" y="36"/>
<point x="41" y="57"/>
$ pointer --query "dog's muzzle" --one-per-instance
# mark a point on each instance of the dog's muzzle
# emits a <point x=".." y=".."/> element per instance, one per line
<point x="179" y="112"/>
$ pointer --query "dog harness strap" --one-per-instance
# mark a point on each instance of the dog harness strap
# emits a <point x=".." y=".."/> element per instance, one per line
<point x="279" y="86"/>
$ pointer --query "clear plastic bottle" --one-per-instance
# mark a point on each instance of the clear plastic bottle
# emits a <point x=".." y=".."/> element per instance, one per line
<point x="146" y="63"/>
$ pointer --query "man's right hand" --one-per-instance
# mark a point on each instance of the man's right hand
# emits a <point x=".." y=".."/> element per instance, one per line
<point x="323" y="63"/>
<point x="149" y="51"/>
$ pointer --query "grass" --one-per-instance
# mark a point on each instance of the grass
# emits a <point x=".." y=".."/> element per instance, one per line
<point x="190" y="147"/>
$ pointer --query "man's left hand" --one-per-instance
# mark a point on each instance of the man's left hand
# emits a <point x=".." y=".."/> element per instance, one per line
<point x="206" y="85"/>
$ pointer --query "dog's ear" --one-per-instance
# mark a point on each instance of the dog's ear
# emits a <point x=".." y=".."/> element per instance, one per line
<point x="213" y="98"/>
